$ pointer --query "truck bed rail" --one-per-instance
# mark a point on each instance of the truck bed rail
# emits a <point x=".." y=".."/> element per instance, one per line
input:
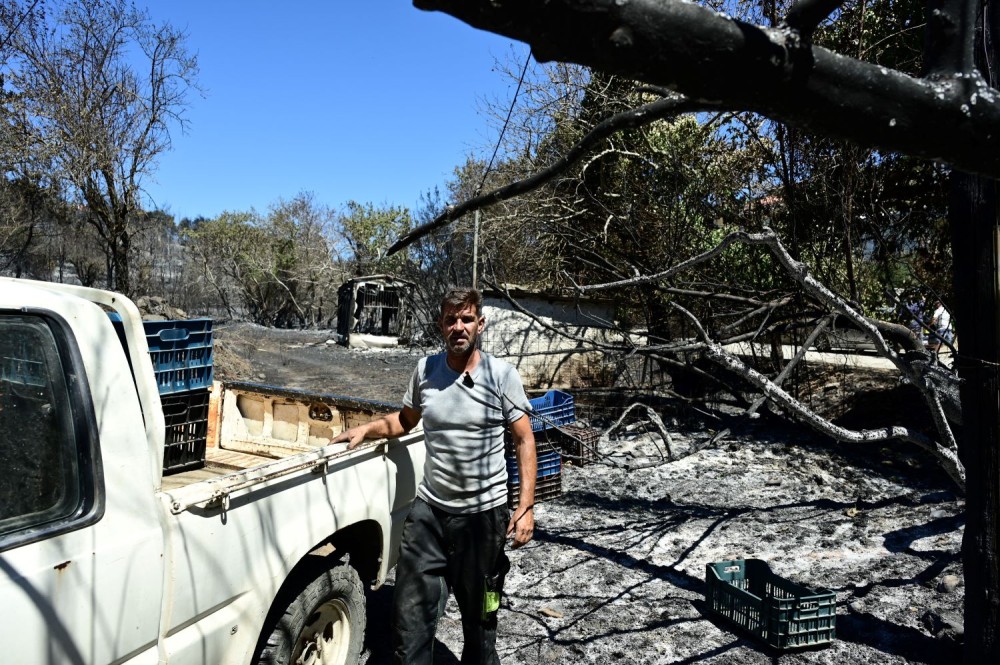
<point x="218" y="490"/>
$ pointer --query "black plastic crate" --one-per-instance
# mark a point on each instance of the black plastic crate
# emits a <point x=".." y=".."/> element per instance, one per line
<point x="186" y="420"/>
<point x="780" y="613"/>
<point x="546" y="488"/>
<point x="543" y="443"/>
<point x="576" y="442"/>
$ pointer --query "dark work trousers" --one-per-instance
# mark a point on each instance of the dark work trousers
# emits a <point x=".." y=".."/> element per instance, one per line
<point x="442" y="551"/>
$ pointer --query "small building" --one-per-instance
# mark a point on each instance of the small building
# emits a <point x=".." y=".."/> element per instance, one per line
<point x="555" y="341"/>
<point x="373" y="311"/>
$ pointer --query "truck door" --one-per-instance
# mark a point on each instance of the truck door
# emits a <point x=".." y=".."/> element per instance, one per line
<point x="80" y="542"/>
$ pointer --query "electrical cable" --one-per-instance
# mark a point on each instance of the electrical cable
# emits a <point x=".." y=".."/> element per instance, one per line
<point x="506" y="122"/>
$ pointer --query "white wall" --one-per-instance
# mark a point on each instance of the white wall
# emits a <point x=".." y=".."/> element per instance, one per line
<point x="545" y="358"/>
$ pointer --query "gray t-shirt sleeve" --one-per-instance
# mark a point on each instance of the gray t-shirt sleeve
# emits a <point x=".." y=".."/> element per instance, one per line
<point x="412" y="396"/>
<point x="515" y="402"/>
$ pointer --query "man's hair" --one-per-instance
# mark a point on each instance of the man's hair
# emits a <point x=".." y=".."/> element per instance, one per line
<point x="460" y="298"/>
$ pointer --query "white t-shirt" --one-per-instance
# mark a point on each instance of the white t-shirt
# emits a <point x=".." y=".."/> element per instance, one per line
<point x="942" y="322"/>
<point x="464" y="421"/>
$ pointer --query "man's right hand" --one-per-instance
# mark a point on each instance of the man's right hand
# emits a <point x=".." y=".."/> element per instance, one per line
<point x="386" y="427"/>
<point x="353" y="437"/>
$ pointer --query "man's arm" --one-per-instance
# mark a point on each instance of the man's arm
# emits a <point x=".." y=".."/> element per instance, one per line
<point x="522" y="522"/>
<point x="386" y="427"/>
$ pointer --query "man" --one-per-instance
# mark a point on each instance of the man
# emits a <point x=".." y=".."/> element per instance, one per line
<point x="941" y="326"/>
<point x="457" y="525"/>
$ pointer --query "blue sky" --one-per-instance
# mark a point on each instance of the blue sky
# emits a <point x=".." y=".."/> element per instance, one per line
<point x="372" y="101"/>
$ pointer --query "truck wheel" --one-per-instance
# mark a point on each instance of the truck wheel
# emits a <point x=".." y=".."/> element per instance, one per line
<point x="323" y="625"/>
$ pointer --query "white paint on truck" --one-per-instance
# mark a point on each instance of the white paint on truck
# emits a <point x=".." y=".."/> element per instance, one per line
<point x="119" y="563"/>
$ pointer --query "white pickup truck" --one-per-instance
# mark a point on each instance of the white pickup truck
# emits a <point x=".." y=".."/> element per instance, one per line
<point x="257" y="557"/>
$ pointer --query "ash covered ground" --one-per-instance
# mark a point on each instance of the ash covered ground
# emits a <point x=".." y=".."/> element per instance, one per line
<point x="616" y="572"/>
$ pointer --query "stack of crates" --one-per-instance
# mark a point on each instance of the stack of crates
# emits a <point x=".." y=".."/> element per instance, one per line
<point x="556" y="427"/>
<point x="181" y="353"/>
<point x="548" y="411"/>
<point x="548" y="483"/>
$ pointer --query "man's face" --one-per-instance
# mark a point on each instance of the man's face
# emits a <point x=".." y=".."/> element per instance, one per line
<point x="460" y="328"/>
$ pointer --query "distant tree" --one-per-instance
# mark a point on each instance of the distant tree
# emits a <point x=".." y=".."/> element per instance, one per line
<point x="221" y="250"/>
<point x="367" y="230"/>
<point x="434" y="264"/>
<point x="22" y="214"/>
<point x="189" y="224"/>
<point x="92" y="87"/>
<point x="156" y="255"/>
<point x="310" y="272"/>
<point x="277" y="269"/>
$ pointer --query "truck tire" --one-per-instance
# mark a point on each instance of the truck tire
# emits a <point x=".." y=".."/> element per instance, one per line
<point x="323" y="625"/>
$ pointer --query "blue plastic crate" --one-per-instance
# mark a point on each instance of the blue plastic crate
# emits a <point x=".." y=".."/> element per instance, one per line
<point x="180" y="352"/>
<point x="553" y="408"/>
<point x="182" y="380"/>
<point x="549" y="464"/>
<point x="178" y="335"/>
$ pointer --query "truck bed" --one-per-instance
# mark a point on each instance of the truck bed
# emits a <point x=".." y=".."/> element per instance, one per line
<point x="251" y="425"/>
<point x="218" y="462"/>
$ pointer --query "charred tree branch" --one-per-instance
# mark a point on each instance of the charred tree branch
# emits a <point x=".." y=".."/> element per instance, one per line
<point x="722" y="62"/>
<point x="806" y="15"/>
<point x="951" y="25"/>
<point x="947" y="457"/>
<point x="778" y="380"/>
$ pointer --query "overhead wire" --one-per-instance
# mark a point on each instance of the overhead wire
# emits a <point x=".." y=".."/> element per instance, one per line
<point x="506" y="123"/>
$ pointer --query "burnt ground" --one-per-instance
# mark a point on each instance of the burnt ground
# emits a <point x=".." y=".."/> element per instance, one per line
<point x="616" y="572"/>
<point x="311" y="360"/>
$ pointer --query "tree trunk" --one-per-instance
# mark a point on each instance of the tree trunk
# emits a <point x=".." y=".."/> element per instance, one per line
<point x="976" y="249"/>
<point x="975" y="224"/>
<point x="121" y="250"/>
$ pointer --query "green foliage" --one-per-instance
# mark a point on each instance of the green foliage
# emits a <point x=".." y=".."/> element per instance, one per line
<point x="649" y="198"/>
<point x="369" y="231"/>
<point x="277" y="268"/>
<point x="645" y="199"/>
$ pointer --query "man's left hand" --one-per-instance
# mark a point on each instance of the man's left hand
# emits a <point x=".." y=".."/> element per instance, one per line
<point x="522" y="525"/>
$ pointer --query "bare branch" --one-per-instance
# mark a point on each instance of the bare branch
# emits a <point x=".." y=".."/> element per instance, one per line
<point x="654" y="418"/>
<point x="947" y="457"/>
<point x="822" y="326"/>
<point x="661" y="108"/>
<point x="918" y="373"/>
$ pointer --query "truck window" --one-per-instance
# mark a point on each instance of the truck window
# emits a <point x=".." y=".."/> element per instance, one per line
<point x="43" y="479"/>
